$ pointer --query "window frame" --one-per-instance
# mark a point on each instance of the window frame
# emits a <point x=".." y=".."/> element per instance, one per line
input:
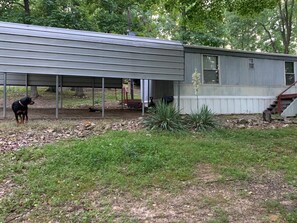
<point x="218" y="69"/>
<point x="294" y="74"/>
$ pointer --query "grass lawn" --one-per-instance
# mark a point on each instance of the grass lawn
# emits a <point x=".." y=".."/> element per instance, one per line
<point x="228" y="175"/>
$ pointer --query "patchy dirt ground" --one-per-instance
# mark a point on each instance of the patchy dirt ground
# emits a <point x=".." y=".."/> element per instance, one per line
<point x="208" y="199"/>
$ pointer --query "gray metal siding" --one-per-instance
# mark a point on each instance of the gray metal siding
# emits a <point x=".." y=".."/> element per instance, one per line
<point x="236" y="70"/>
<point x="238" y="53"/>
<point x="193" y="60"/>
<point x="41" y="50"/>
<point x="162" y="88"/>
<point x="67" y="81"/>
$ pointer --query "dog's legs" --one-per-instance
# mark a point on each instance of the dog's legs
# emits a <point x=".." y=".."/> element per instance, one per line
<point x="26" y="114"/>
<point x="21" y="116"/>
<point x="17" y="118"/>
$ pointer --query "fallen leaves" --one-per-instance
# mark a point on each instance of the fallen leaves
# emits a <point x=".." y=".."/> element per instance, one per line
<point x="30" y="136"/>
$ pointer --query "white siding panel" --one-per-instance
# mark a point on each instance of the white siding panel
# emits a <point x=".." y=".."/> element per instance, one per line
<point x="224" y="107"/>
<point x="226" y="104"/>
<point x="217" y="105"/>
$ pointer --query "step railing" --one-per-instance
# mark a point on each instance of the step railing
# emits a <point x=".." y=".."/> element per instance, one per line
<point x="281" y="95"/>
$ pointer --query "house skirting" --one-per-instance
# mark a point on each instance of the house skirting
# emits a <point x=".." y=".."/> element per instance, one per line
<point x="225" y="104"/>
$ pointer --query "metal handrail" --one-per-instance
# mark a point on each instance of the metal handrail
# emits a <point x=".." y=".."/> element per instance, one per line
<point x="279" y="97"/>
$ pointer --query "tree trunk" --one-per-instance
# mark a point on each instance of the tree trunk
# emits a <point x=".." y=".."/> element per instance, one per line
<point x="272" y="42"/>
<point x="27" y="7"/>
<point x="79" y="92"/>
<point x="34" y="92"/>
<point x="286" y="10"/>
<point x="51" y="89"/>
<point x="183" y="25"/>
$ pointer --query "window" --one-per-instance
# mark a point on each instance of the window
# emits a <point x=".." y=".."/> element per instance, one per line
<point x="210" y="70"/>
<point x="290" y="74"/>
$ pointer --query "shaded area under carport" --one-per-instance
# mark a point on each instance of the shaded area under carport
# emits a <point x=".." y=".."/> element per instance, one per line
<point x="49" y="114"/>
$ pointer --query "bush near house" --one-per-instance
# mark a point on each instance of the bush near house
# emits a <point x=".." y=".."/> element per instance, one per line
<point x="166" y="117"/>
<point x="202" y="121"/>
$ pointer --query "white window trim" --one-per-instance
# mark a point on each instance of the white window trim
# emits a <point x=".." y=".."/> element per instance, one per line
<point x="294" y="67"/>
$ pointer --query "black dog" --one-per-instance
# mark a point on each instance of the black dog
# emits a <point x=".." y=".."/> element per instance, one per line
<point x="20" y="109"/>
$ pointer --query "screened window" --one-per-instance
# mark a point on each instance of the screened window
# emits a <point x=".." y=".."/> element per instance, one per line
<point x="290" y="74"/>
<point x="210" y="70"/>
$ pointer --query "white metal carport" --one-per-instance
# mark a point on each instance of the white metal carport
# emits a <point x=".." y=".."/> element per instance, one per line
<point x="47" y="53"/>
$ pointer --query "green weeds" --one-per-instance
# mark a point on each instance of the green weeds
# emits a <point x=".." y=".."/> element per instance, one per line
<point x="274" y="206"/>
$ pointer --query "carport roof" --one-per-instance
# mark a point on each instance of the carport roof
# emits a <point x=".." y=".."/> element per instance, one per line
<point x="84" y="35"/>
<point x="57" y="51"/>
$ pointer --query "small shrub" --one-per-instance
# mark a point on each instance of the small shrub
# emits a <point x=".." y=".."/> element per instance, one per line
<point x="164" y="117"/>
<point x="203" y="120"/>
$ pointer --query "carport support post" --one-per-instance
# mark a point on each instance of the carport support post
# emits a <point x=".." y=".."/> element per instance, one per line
<point x="26" y="85"/>
<point x="142" y="96"/>
<point x="57" y="96"/>
<point x="93" y="92"/>
<point x="4" y="95"/>
<point x="178" y="96"/>
<point x="122" y="95"/>
<point x="61" y="92"/>
<point x="103" y="96"/>
<point x="148" y="92"/>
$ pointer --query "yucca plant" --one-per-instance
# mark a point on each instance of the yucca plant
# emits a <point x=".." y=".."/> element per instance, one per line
<point x="164" y="117"/>
<point x="202" y="121"/>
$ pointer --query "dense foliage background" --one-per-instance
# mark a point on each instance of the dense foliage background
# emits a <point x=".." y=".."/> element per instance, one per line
<point x="266" y="25"/>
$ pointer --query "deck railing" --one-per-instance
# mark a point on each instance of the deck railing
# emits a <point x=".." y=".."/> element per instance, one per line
<point x="282" y="96"/>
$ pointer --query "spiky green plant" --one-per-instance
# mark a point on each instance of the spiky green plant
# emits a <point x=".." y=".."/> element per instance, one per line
<point x="164" y="117"/>
<point x="196" y="81"/>
<point x="202" y="121"/>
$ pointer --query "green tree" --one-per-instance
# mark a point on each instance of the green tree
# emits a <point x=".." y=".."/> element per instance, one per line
<point x="193" y="22"/>
<point x="275" y="22"/>
<point x="241" y="31"/>
<point x="15" y="11"/>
